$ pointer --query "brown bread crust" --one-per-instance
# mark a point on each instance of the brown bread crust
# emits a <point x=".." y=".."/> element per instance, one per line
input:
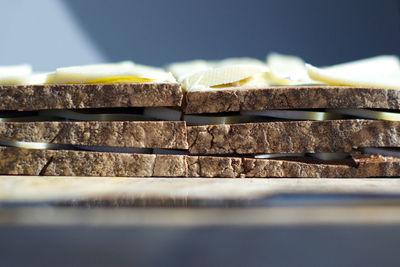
<point x="19" y="161"/>
<point x="135" y="134"/>
<point x="293" y="136"/>
<point x="299" y="97"/>
<point x="79" y="96"/>
<point x="364" y="166"/>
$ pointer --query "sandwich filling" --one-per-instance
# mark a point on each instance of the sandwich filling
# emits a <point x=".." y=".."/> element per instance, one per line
<point x="109" y="73"/>
<point x="200" y="75"/>
<point x="279" y="69"/>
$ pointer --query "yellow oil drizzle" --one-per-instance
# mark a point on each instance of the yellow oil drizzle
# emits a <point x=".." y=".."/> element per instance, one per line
<point x="120" y="79"/>
<point x="232" y="84"/>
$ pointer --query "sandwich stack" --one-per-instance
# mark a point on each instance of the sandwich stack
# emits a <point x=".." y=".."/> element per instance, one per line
<point x="238" y="117"/>
<point x="97" y="120"/>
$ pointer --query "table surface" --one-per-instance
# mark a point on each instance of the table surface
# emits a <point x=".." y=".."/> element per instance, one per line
<point x="81" y="221"/>
<point x="197" y="201"/>
<point x="30" y="189"/>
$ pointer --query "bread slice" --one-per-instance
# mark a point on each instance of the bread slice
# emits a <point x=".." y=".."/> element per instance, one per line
<point x="293" y="136"/>
<point x="135" y="134"/>
<point x="78" y="96"/>
<point x="295" y="97"/>
<point x="20" y="161"/>
<point x="362" y="166"/>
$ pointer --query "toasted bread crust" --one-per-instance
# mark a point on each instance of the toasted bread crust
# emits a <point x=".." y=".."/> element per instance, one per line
<point x="230" y="167"/>
<point x="293" y="136"/>
<point x="19" y="161"/>
<point x="135" y="134"/>
<point x="82" y="163"/>
<point x="295" y="97"/>
<point x="79" y="96"/>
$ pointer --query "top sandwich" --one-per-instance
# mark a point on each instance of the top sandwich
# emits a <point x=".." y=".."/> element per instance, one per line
<point x="247" y="84"/>
<point x="283" y="106"/>
<point x="123" y="84"/>
<point x="115" y="105"/>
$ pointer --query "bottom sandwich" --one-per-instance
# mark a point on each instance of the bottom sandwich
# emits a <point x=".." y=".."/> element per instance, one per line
<point x="22" y="161"/>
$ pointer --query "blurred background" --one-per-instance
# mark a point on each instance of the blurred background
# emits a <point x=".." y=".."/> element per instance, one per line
<point x="53" y="33"/>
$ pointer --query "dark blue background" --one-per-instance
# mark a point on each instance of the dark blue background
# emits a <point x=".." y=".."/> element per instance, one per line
<point x="160" y="31"/>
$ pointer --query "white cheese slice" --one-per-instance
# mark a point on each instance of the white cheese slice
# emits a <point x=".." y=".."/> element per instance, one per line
<point x="183" y="69"/>
<point x="379" y="72"/>
<point x="151" y="72"/>
<point x="88" y="73"/>
<point x="287" y="70"/>
<point x="205" y="75"/>
<point x="20" y="75"/>
<point x="15" y="70"/>
<point x="224" y="75"/>
<point x="29" y="79"/>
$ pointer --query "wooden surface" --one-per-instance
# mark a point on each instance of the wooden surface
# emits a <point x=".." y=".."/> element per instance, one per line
<point x="183" y="217"/>
<point x="41" y="189"/>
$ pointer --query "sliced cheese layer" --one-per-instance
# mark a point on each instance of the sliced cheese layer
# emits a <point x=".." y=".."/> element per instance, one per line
<point x="201" y="75"/>
<point x="15" y="70"/>
<point x="29" y="79"/>
<point x="123" y="72"/>
<point x="20" y="75"/>
<point x="183" y="69"/>
<point x="379" y="72"/>
<point x="287" y="70"/>
<point x="226" y="76"/>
